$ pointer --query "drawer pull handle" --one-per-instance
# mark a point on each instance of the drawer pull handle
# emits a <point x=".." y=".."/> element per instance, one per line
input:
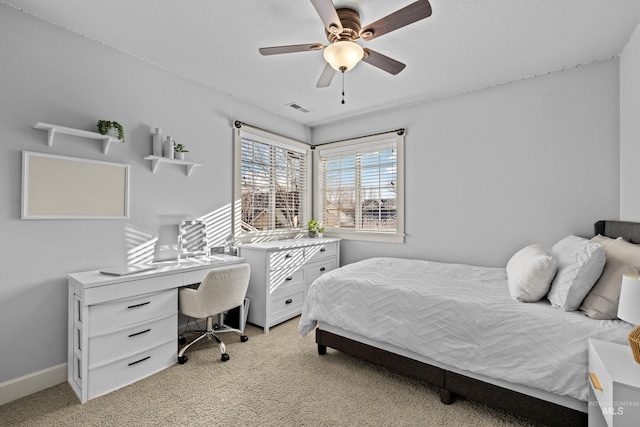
<point x="140" y="333"/>
<point x="139" y="305"/>
<point x="595" y="381"/>
<point x="323" y="250"/>
<point x="323" y="269"/>
<point x="289" y="301"/>
<point x="141" y="360"/>
<point x="289" y="278"/>
<point x="288" y="256"/>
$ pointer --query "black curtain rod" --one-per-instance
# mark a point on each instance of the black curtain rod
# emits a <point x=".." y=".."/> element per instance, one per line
<point x="399" y="131"/>
<point x="238" y="124"/>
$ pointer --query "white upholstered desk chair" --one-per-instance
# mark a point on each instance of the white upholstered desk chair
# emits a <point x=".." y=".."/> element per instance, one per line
<point x="221" y="290"/>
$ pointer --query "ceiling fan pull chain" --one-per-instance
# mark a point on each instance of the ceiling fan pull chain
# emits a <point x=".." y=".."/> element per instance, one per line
<point x="343" y="69"/>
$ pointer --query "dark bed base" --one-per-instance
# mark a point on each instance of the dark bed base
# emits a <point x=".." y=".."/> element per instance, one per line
<point x="451" y="384"/>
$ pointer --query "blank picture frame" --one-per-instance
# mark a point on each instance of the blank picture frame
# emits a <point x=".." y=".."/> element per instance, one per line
<point x="61" y="187"/>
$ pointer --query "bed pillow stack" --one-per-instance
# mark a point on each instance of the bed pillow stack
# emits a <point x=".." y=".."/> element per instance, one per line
<point x="580" y="264"/>
<point x="529" y="273"/>
<point x="622" y="258"/>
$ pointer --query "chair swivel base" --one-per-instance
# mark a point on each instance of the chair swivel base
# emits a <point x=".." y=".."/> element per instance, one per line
<point x="210" y="333"/>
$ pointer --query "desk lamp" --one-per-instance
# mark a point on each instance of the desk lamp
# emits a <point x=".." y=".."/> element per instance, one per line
<point x="629" y="310"/>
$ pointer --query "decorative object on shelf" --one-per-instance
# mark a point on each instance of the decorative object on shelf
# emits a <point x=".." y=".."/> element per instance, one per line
<point x="320" y="230"/>
<point x="312" y="228"/>
<point x="168" y="149"/>
<point x="157" y="142"/>
<point x="629" y="311"/>
<point x="180" y="150"/>
<point x="230" y="245"/>
<point x="111" y="128"/>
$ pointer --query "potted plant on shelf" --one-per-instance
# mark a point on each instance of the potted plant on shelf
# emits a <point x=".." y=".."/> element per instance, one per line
<point x="320" y="230"/>
<point x="112" y="128"/>
<point x="312" y="227"/>
<point x="180" y="151"/>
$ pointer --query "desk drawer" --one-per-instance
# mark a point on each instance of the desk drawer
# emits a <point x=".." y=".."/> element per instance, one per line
<point x="131" y="369"/>
<point x="315" y="253"/>
<point x="118" y="314"/>
<point x="286" y="258"/>
<point x="107" y="348"/>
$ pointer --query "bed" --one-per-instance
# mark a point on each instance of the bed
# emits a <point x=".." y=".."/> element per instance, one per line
<point x="457" y="327"/>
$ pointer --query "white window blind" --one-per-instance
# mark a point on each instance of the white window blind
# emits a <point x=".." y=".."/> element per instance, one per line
<point x="359" y="187"/>
<point x="273" y="183"/>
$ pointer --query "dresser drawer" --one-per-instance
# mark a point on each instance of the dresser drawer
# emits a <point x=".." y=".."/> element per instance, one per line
<point x="281" y="280"/>
<point x="125" y="342"/>
<point x="118" y="314"/>
<point x="317" y="269"/>
<point x="286" y="258"/>
<point x="315" y="253"/>
<point x="284" y="307"/>
<point x="131" y="369"/>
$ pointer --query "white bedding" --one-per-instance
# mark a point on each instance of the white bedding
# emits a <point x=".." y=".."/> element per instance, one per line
<point x="462" y="316"/>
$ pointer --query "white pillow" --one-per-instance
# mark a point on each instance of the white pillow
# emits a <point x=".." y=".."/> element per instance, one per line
<point x="580" y="263"/>
<point x="529" y="273"/>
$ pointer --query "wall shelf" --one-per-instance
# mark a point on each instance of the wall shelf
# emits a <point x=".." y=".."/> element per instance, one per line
<point x="52" y="129"/>
<point x="156" y="160"/>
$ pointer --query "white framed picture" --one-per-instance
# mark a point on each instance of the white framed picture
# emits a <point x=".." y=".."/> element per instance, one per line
<point x="61" y="187"/>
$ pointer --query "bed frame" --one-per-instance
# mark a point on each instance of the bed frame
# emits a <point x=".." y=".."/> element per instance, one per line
<point x="451" y="384"/>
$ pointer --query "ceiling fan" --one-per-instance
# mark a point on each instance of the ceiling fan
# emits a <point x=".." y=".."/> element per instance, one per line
<point x="342" y="28"/>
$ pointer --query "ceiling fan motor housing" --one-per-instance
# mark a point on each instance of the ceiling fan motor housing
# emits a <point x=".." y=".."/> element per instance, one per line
<point x="350" y="20"/>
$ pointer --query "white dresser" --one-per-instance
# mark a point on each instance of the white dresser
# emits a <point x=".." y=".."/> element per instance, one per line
<point x="281" y="272"/>
<point x="125" y="328"/>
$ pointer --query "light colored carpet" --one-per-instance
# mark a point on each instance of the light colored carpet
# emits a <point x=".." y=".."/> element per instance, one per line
<point x="275" y="379"/>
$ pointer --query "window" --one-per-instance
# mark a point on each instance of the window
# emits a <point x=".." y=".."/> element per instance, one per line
<point x="359" y="187"/>
<point x="272" y="190"/>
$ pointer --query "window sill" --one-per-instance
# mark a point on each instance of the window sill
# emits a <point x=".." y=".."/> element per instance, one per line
<point x="368" y="236"/>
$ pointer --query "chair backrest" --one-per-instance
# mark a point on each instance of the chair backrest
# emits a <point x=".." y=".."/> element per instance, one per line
<point x="223" y="289"/>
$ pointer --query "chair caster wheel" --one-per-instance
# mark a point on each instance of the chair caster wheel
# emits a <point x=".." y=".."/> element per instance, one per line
<point x="182" y="340"/>
<point x="244" y="338"/>
<point x="182" y="360"/>
<point x="225" y="357"/>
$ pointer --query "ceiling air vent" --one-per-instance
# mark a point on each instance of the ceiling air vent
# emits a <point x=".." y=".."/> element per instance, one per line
<point x="298" y="107"/>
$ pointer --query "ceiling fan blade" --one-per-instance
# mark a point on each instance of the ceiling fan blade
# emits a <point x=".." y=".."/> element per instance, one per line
<point x="277" y="50"/>
<point x="327" y="76"/>
<point x="329" y="15"/>
<point x="398" y="19"/>
<point x="382" y="61"/>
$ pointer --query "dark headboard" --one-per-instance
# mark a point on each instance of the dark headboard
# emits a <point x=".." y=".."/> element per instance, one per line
<point x="630" y="231"/>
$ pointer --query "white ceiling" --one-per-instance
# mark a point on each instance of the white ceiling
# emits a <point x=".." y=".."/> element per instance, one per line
<point x="464" y="46"/>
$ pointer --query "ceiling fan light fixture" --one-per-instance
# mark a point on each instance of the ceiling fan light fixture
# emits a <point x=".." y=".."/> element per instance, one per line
<point x="343" y="55"/>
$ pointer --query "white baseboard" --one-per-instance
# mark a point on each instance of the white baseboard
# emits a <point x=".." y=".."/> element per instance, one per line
<point x="32" y="383"/>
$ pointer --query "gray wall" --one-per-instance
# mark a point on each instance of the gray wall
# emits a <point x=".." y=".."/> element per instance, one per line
<point x="50" y="75"/>
<point x="630" y="130"/>
<point x="491" y="171"/>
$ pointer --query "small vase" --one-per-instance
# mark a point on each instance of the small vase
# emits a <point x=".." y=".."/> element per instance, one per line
<point x="168" y="148"/>
<point x="312" y="234"/>
<point x="180" y="155"/>
<point x="319" y="235"/>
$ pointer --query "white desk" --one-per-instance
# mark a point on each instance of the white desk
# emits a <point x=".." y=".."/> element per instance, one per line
<point x="125" y="328"/>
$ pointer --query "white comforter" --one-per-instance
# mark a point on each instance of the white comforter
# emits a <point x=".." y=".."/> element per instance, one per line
<point x="462" y="316"/>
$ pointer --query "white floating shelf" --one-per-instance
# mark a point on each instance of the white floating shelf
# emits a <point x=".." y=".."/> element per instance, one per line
<point x="52" y="129"/>
<point x="156" y="160"/>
